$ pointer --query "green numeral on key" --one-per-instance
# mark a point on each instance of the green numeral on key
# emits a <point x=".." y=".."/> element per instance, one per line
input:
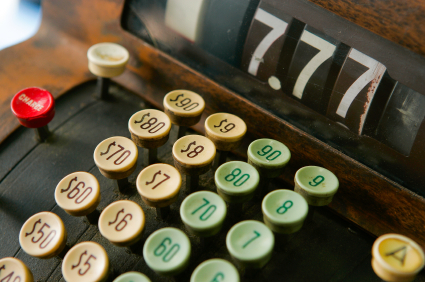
<point x="284" y="208"/>
<point x="252" y="239"/>
<point x="316" y="181"/>
<point x="162" y="248"/>
<point x="206" y="215"/>
<point x="231" y="176"/>
<point x="267" y="149"/>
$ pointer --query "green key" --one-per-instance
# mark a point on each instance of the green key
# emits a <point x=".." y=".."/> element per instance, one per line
<point x="284" y="211"/>
<point x="167" y="251"/>
<point x="203" y="213"/>
<point x="132" y="276"/>
<point x="268" y="156"/>
<point x="236" y="181"/>
<point x="251" y="243"/>
<point x="316" y="184"/>
<point x="215" y="270"/>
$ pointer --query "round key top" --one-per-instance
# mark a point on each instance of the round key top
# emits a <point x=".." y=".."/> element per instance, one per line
<point x="316" y="184"/>
<point x="215" y="270"/>
<point x="284" y="211"/>
<point x="203" y="213"/>
<point x="107" y="59"/>
<point x="193" y="155"/>
<point x="132" y="276"/>
<point x="122" y="222"/>
<point x="159" y="185"/>
<point x="78" y="193"/>
<point x="12" y="269"/>
<point x="43" y="235"/>
<point x="86" y="261"/>
<point x="167" y="251"/>
<point x="268" y="156"/>
<point x="149" y="128"/>
<point x="251" y="243"/>
<point x="35" y="108"/>
<point x="225" y="130"/>
<point x="116" y="157"/>
<point x="184" y="107"/>
<point x="397" y="258"/>
<point x="236" y="181"/>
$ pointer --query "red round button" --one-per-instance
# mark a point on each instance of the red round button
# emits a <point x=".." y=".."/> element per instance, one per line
<point x="34" y="107"/>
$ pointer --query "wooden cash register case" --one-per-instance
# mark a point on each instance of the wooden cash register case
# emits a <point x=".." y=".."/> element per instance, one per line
<point x="55" y="59"/>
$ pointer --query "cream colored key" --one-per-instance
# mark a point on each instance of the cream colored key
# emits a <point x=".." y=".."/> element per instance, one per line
<point x="397" y="258"/>
<point x="116" y="158"/>
<point x="184" y="108"/>
<point x="227" y="132"/>
<point x="78" y="194"/>
<point x="43" y="235"/>
<point x="149" y="129"/>
<point x="122" y="223"/>
<point x="12" y="269"/>
<point x="86" y="261"/>
<point x="159" y="187"/>
<point x="193" y="155"/>
<point x="106" y="60"/>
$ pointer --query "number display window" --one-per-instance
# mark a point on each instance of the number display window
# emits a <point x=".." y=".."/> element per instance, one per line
<point x="314" y="69"/>
<point x="354" y="90"/>
<point x="401" y="120"/>
<point x="264" y="42"/>
<point x="231" y="18"/>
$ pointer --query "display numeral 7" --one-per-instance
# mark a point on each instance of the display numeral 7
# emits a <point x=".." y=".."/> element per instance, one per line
<point x="278" y="29"/>
<point x="326" y="51"/>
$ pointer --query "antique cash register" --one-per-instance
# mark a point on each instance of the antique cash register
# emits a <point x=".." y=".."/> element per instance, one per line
<point x="215" y="140"/>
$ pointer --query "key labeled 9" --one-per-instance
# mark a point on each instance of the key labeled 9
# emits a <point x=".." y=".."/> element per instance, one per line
<point x="225" y="130"/>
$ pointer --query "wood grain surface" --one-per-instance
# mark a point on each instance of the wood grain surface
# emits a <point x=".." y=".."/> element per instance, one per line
<point x="399" y="21"/>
